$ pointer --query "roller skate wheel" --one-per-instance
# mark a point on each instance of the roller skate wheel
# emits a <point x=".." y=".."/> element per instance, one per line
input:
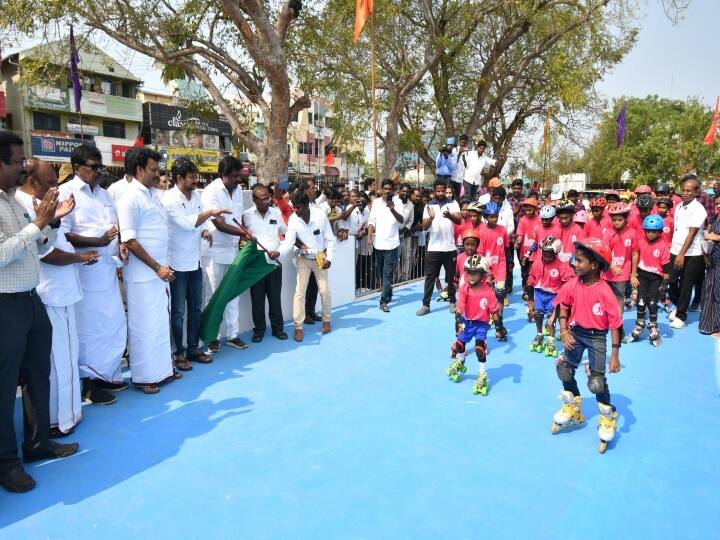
<point x="484" y="391"/>
<point x="455" y="377"/>
<point x="448" y="372"/>
<point x="555" y="428"/>
<point x="602" y="447"/>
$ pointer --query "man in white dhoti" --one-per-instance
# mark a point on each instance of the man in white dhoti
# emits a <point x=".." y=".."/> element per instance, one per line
<point x="224" y="192"/>
<point x="101" y="326"/>
<point x="59" y="289"/>
<point x="144" y="231"/>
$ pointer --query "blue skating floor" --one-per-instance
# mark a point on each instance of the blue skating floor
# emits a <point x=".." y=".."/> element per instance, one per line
<point x="360" y="434"/>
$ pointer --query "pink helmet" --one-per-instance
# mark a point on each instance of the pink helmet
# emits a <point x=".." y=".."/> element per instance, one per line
<point x="580" y="216"/>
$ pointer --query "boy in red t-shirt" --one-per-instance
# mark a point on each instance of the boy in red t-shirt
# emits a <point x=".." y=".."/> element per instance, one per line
<point x="477" y="305"/>
<point x="470" y="242"/>
<point x="587" y="312"/>
<point x="548" y="227"/>
<point x="570" y="232"/>
<point x="644" y="204"/>
<point x="599" y="223"/>
<point x="624" y="248"/>
<point x="651" y="273"/>
<point x="525" y="237"/>
<point x="664" y="207"/>
<point x="546" y="277"/>
<point x="493" y="247"/>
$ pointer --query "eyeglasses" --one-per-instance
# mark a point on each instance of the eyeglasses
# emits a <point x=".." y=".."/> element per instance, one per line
<point x="95" y="167"/>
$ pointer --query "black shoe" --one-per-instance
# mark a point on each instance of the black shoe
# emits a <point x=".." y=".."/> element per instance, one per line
<point x="17" y="480"/>
<point x="309" y="320"/>
<point x="214" y="347"/>
<point x="694" y="308"/>
<point x="280" y="335"/>
<point x="314" y="316"/>
<point x="57" y="433"/>
<point x="257" y="337"/>
<point x="51" y="450"/>
<point x="384" y="307"/>
<point x="94" y="394"/>
<point x="111" y="386"/>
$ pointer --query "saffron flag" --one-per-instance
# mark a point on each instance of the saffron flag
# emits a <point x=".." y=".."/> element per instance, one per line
<point x="712" y="132"/>
<point x="74" y="76"/>
<point x="330" y="158"/>
<point x="620" y="120"/>
<point x="546" y="135"/>
<point x="249" y="267"/>
<point x="363" y="9"/>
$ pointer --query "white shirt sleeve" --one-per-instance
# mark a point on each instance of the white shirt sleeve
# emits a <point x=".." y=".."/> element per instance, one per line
<point x="698" y="216"/>
<point x="286" y="246"/>
<point x="128" y="217"/>
<point x="175" y="212"/>
<point x="330" y="240"/>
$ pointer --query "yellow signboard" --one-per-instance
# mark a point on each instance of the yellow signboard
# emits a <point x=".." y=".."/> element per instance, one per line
<point x="206" y="160"/>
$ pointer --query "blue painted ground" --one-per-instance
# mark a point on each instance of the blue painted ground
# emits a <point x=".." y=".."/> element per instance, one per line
<point x="359" y="434"/>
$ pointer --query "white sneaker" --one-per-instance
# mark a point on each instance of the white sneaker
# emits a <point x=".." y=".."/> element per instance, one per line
<point x="671" y="315"/>
<point x="677" y="324"/>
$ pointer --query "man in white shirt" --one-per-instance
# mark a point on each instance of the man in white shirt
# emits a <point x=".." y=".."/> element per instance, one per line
<point x="187" y="228"/>
<point x="101" y="324"/>
<point x="384" y="229"/>
<point x="439" y="217"/>
<point x="59" y="289"/>
<point x="143" y="229"/>
<point x="476" y="163"/>
<point x="688" y="264"/>
<point x="461" y="164"/>
<point x="224" y="192"/>
<point x="310" y="228"/>
<point x="266" y="224"/>
<point x="406" y="208"/>
<point x="118" y="188"/>
<point x="364" y="267"/>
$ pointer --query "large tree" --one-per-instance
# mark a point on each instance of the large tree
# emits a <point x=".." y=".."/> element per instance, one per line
<point x="237" y="49"/>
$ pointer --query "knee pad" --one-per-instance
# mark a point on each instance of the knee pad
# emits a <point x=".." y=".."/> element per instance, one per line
<point x="641" y="303"/>
<point x="565" y="372"/>
<point x="500" y="293"/>
<point x="597" y="383"/>
<point x="530" y="291"/>
<point x="653" y="307"/>
<point x="458" y="347"/>
<point x="481" y="351"/>
<point x="539" y="316"/>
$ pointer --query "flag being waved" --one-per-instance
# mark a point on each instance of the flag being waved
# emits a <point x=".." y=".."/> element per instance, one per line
<point x="74" y="76"/>
<point x="363" y="9"/>
<point x="620" y="120"/>
<point x="712" y="132"/>
<point x="249" y="267"/>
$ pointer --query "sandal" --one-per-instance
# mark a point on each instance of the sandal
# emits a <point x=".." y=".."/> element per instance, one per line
<point x="176" y="375"/>
<point x="201" y="358"/>
<point x="182" y="363"/>
<point x="150" y="389"/>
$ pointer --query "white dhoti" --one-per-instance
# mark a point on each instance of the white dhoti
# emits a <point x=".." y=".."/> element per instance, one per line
<point x="230" y="326"/>
<point x="149" y="331"/>
<point x="65" y="396"/>
<point x="102" y="332"/>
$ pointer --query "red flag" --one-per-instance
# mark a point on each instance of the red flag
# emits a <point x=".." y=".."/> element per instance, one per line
<point x="330" y="158"/>
<point x="710" y="136"/>
<point x="363" y="8"/>
<point x="139" y="141"/>
<point x="3" y="110"/>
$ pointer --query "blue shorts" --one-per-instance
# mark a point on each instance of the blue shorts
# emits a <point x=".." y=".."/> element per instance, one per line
<point x="473" y="329"/>
<point x="544" y="301"/>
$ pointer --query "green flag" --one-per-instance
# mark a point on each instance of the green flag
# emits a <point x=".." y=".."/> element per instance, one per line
<point x="249" y="267"/>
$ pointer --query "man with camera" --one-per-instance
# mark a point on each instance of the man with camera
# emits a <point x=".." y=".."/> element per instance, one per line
<point x="445" y="162"/>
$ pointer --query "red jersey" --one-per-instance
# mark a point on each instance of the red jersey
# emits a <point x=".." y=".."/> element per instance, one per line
<point x="568" y="237"/>
<point x="459" y="278"/>
<point x="622" y="245"/>
<point x="551" y="276"/>
<point x="493" y="244"/>
<point x="593" y="307"/>
<point x="477" y="303"/>
<point x="593" y="229"/>
<point x="667" y="232"/>
<point x="526" y="232"/>
<point x="636" y="222"/>
<point x="653" y="255"/>
<point x="459" y="228"/>
<point x="542" y="232"/>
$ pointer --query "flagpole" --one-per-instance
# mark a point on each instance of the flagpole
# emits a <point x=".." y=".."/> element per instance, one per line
<point x="372" y="86"/>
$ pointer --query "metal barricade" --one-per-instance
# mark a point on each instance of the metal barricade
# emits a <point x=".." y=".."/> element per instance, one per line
<point x="410" y="264"/>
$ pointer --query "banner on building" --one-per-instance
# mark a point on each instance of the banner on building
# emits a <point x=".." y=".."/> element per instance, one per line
<point x="206" y="160"/>
<point x="57" y="149"/>
<point x="119" y="151"/>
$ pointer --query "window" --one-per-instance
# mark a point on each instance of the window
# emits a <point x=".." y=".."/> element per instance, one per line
<point x="46" y="122"/>
<point x="113" y="128"/>
<point x="330" y="122"/>
<point x="310" y="123"/>
<point x="106" y="87"/>
<point x="6" y="123"/>
<point x="304" y="148"/>
<point x="318" y="142"/>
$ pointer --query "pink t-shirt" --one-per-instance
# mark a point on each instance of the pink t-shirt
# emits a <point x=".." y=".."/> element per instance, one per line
<point x="593" y="229"/>
<point x="568" y="236"/>
<point x="542" y="232"/>
<point x="667" y="232"/>
<point x="526" y="232"/>
<point x="653" y="255"/>
<point x="493" y="245"/>
<point x="592" y="307"/>
<point x="477" y="303"/>
<point x="549" y="277"/>
<point x="622" y="245"/>
<point x="459" y="228"/>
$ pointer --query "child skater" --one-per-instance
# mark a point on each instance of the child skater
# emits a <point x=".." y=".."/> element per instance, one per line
<point x="525" y="237"/>
<point x="588" y="309"/>
<point x="548" y="226"/>
<point x="477" y="305"/>
<point x="651" y="272"/>
<point x="494" y="245"/>
<point x="546" y="277"/>
<point x="470" y="242"/>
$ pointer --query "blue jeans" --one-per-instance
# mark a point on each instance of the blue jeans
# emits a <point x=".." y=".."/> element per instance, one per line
<point x="386" y="260"/>
<point x="186" y="288"/>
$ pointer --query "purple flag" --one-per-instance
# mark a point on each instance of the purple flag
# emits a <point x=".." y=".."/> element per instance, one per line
<point x="74" y="78"/>
<point x="620" y="120"/>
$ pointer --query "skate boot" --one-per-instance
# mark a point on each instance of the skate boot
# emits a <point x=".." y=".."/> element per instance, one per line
<point x="606" y="426"/>
<point x="637" y="331"/>
<point x="538" y="344"/>
<point x="443" y="297"/>
<point x="666" y="304"/>
<point x="570" y="414"/>
<point x="654" y="335"/>
<point x="481" y="384"/>
<point x="551" y="347"/>
<point x="547" y="331"/>
<point x="457" y="367"/>
<point x="501" y="333"/>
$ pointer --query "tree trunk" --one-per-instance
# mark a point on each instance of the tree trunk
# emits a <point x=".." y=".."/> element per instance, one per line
<point x="392" y="141"/>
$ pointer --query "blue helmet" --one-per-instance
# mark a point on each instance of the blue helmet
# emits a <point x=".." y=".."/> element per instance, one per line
<point x="653" y="222"/>
<point x="491" y="209"/>
<point x="547" y="212"/>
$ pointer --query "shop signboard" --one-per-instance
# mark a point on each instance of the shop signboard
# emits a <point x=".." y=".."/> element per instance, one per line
<point x="181" y="128"/>
<point x="48" y="98"/>
<point x="119" y="151"/>
<point x="58" y="149"/>
<point x="206" y="160"/>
